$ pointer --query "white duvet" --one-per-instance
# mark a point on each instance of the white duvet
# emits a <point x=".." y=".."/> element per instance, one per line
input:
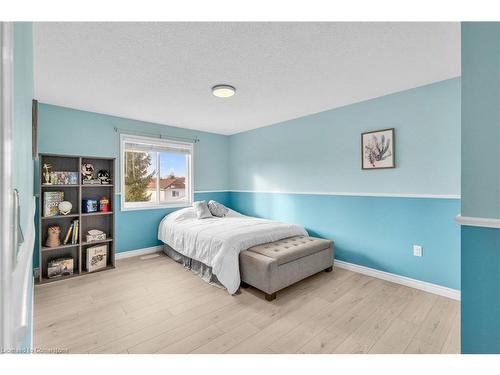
<point x="217" y="242"/>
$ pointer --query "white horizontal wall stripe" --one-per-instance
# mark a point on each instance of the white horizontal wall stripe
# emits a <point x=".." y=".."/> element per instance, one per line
<point x="347" y="194"/>
<point x="391" y="195"/>
<point x="412" y="283"/>
<point x="478" y="221"/>
<point x="211" y="191"/>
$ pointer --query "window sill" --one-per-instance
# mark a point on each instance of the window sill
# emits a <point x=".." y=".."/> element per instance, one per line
<point x="160" y="207"/>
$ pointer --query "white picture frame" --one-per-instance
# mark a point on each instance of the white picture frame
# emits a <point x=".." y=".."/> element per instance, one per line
<point x="97" y="257"/>
<point x="378" y="149"/>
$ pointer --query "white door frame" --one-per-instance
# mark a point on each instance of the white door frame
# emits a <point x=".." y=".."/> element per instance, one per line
<point x="6" y="201"/>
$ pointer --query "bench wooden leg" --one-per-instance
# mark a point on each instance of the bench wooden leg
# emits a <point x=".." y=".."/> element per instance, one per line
<point x="244" y="285"/>
<point x="271" y="297"/>
<point x="329" y="269"/>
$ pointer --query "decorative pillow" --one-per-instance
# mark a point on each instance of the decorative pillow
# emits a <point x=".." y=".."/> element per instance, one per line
<point x="217" y="209"/>
<point x="201" y="210"/>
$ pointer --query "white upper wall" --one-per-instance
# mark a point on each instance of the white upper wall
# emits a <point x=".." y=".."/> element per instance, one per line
<point x="163" y="72"/>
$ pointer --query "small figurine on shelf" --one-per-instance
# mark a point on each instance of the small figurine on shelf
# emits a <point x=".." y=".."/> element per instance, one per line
<point x="46" y="173"/>
<point x="53" y="239"/>
<point x="88" y="175"/>
<point x="87" y="171"/>
<point x="103" y="176"/>
<point x="104" y="204"/>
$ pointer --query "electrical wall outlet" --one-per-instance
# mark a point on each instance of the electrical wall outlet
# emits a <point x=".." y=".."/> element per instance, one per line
<point x="417" y="250"/>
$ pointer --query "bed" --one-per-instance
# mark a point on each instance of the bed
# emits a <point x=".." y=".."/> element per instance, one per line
<point x="211" y="246"/>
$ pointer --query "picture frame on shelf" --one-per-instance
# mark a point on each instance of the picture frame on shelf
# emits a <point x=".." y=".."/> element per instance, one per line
<point x="64" y="178"/>
<point x="51" y="201"/>
<point x="97" y="257"/>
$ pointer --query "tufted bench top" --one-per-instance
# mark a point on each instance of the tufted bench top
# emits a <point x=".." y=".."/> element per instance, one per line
<point x="291" y="248"/>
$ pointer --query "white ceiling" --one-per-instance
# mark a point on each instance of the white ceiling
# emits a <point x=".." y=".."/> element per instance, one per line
<point x="163" y="72"/>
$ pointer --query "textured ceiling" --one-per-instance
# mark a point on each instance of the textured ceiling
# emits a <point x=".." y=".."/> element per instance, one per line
<point x="163" y="72"/>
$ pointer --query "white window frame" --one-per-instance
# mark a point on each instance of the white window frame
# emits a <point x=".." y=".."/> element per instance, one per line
<point x="134" y="206"/>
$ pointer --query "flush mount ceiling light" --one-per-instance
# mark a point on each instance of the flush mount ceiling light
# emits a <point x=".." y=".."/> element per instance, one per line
<point x="223" y="91"/>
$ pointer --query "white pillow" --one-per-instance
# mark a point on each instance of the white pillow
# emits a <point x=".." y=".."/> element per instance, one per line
<point x="201" y="210"/>
<point x="182" y="214"/>
<point x="217" y="209"/>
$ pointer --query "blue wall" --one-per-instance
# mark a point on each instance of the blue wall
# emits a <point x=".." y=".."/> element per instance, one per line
<point x="480" y="304"/>
<point x="69" y="131"/>
<point x="373" y="232"/>
<point x="480" y="317"/>
<point x="321" y="153"/>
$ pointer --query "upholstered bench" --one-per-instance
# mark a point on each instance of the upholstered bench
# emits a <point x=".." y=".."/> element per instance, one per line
<point x="276" y="265"/>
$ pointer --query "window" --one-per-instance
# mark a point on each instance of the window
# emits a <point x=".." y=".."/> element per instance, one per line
<point x="155" y="173"/>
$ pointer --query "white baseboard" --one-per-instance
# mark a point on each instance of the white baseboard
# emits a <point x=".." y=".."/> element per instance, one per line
<point x="412" y="283"/>
<point x="138" y="252"/>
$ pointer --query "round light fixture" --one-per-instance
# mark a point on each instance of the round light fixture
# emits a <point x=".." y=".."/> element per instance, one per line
<point x="223" y="91"/>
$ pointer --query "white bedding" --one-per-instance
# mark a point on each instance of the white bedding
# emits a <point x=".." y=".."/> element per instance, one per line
<point x="217" y="242"/>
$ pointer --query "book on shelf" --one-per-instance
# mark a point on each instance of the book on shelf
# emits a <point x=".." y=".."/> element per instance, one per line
<point x="77" y="231"/>
<point x="51" y="200"/>
<point x="74" y="237"/>
<point x="68" y="234"/>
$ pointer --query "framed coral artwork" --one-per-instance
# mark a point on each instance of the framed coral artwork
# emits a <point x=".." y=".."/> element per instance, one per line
<point x="377" y="149"/>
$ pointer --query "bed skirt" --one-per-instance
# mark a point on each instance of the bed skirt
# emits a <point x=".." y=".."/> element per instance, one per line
<point x="197" y="267"/>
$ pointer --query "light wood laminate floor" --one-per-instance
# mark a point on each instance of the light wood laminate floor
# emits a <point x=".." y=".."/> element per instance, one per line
<point x="157" y="306"/>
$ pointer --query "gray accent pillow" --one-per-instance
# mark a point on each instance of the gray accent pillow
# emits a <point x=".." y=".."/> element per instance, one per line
<point x="217" y="209"/>
<point x="201" y="210"/>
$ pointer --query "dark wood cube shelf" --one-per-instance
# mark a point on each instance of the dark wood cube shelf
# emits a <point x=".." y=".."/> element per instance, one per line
<point x="75" y="193"/>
